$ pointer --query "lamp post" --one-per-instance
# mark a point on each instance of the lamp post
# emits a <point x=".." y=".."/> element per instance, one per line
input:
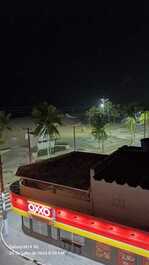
<point x="29" y="144"/>
<point x="105" y="110"/>
<point x="2" y="189"/>
<point x="102" y="103"/>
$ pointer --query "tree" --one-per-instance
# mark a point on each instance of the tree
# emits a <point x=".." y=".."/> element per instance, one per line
<point x="144" y="119"/>
<point x="47" y="118"/>
<point x="91" y="113"/>
<point x="4" y="124"/>
<point x="130" y="112"/>
<point x="98" y="123"/>
<point x="112" y="113"/>
<point x="109" y="110"/>
<point x="131" y="125"/>
<point x="100" y="135"/>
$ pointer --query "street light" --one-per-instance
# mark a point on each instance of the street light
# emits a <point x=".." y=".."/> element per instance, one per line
<point x="2" y="190"/>
<point x="102" y="105"/>
<point x="102" y="102"/>
<point x="29" y="132"/>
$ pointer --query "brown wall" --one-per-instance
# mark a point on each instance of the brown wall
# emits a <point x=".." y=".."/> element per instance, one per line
<point x="120" y="203"/>
<point x="61" y="197"/>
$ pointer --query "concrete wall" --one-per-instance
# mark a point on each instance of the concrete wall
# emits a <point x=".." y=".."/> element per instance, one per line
<point x="120" y="203"/>
<point x="66" y="198"/>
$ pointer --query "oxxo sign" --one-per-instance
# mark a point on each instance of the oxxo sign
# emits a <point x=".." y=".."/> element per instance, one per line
<point x="40" y="210"/>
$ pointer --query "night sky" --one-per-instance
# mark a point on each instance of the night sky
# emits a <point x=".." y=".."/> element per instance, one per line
<point x="71" y="56"/>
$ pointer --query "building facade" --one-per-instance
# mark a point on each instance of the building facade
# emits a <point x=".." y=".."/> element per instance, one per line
<point x="65" y="201"/>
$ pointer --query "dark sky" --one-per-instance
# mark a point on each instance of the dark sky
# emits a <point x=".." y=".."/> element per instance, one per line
<point x="72" y="56"/>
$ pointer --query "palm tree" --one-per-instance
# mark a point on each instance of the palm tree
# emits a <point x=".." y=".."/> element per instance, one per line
<point x="144" y="119"/>
<point x="4" y="124"/>
<point x="129" y="112"/>
<point x="131" y="125"/>
<point x="100" y="135"/>
<point x="111" y="112"/>
<point x="47" y="118"/>
<point x="91" y="113"/>
<point x="98" y="123"/>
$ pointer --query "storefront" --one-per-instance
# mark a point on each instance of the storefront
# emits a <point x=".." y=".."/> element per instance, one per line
<point x="82" y="234"/>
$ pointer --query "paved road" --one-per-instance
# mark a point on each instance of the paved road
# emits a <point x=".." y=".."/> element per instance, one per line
<point x="41" y="251"/>
<point x="7" y="257"/>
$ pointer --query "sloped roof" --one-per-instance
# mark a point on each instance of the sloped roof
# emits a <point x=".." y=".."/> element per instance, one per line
<point x="72" y="169"/>
<point x="126" y="165"/>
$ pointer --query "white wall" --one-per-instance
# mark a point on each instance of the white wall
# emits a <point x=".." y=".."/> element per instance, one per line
<point x="120" y="203"/>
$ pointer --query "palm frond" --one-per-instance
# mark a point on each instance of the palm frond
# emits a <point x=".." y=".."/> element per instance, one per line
<point x="46" y="119"/>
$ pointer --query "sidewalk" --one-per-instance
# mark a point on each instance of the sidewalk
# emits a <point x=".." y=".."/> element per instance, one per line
<point x="43" y="252"/>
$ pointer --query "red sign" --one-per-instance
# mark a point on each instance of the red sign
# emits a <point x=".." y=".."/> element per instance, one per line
<point x="40" y="210"/>
<point x="145" y="261"/>
<point x="126" y="258"/>
<point x="83" y="221"/>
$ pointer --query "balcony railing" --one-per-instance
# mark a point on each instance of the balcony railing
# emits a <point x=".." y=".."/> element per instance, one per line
<point x="54" y="188"/>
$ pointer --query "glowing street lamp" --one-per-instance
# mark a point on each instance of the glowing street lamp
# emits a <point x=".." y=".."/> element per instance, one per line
<point x="102" y="105"/>
<point x="102" y="102"/>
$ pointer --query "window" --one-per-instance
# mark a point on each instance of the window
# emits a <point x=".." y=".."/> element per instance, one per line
<point x="78" y="239"/>
<point x="54" y="232"/>
<point x="73" y="238"/>
<point x="125" y="257"/>
<point x="103" y="252"/>
<point x="40" y="227"/>
<point x="64" y="235"/>
<point x="26" y="222"/>
<point x="71" y="242"/>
